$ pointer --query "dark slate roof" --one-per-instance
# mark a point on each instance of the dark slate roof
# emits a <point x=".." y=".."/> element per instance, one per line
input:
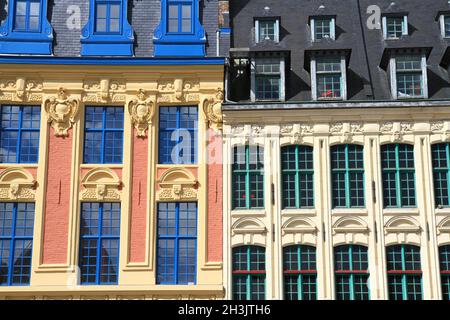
<point x="367" y="80"/>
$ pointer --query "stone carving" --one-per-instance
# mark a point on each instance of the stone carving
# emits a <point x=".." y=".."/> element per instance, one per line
<point x="21" y="89"/>
<point x="296" y="132"/>
<point x="17" y="184"/>
<point x="105" y="90"/>
<point x="142" y="110"/>
<point x="178" y="90"/>
<point x="177" y="184"/>
<point x="396" y="129"/>
<point x="212" y="107"/>
<point x="61" y="111"/>
<point x="101" y="184"/>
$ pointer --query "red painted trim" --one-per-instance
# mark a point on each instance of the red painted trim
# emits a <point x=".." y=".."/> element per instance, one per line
<point x="445" y="272"/>
<point x="405" y="272"/>
<point x="256" y="272"/>
<point x="351" y="271"/>
<point x="300" y="271"/>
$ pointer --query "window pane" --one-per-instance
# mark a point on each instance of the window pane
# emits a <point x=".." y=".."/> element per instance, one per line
<point x="114" y="11"/>
<point x="267" y="30"/>
<point x="322" y="28"/>
<point x="101" y="11"/>
<point x="394" y="27"/>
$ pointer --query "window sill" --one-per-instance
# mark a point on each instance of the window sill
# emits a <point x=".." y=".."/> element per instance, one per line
<point x="442" y="211"/>
<point x="401" y="211"/>
<point x="248" y="212"/>
<point x="101" y="165"/>
<point x="299" y="212"/>
<point x="349" y="212"/>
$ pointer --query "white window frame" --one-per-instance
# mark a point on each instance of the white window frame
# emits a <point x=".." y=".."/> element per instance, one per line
<point x="393" y="76"/>
<point x="277" y="29"/>
<point x="442" y="24"/>
<point x="332" y="27"/>
<point x="405" y="30"/>
<point x="253" y="79"/>
<point x="314" y="79"/>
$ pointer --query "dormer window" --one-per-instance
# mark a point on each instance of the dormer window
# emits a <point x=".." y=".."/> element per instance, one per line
<point x="27" y="15"/>
<point x="323" y="28"/>
<point x="394" y="27"/>
<point x="444" y="20"/>
<point x="107" y="16"/>
<point x="180" y="17"/>
<point x="408" y="76"/>
<point x="267" y="78"/>
<point x="329" y="77"/>
<point x="267" y="30"/>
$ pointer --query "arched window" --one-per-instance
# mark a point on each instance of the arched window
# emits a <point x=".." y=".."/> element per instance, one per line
<point x="441" y="173"/>
<point x="351" y="272"/>
<point x="397" y="164"/>
<point x="248" y="177"/>
<point x="444" y="261"/>
<point x="249" y="273"/>
<point x="300" y="274"/>
<point x="347" y="174"/>
<point x="404" y="272"/>
<point x="297" y="172"/>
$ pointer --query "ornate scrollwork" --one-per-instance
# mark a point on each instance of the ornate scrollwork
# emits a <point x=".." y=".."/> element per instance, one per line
<point x="141" y="110"/>
<point x="212" y="107"/>
<point x="61" y="111"/>
<point x="177" y="184"/>
<point x="101" y="184"/>
<point x="17" y="184"/>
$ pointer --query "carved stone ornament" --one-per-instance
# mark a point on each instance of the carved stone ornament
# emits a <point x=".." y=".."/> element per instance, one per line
<point x="142" y="111"/>
<point x="212" y="107"/>
<point x="396" y="129"/>
<point x="104" y="90"/>
<point x="61" y="111"/>
<point x="178" y="90"/>
<point x="17" y="184"/>
<point x="177" y="184"/>
<point x="21" y="89"/>
<point x="101" y="184"/>
<point x="296" y="132"/>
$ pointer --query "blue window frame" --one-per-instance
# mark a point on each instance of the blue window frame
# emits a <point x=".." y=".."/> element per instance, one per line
<point x="19" y="134"/>
<point x="440" y="154"/>
<point x="404" y="272"/>
<point x="107" y="32"/>
<point x="180" y="32"/>
<point x="26" y="29"/>
<point x="27" y="15"/>
<point x="297" y="172"/>
<point x="99" y="243"/>
<point x="397" y="164"/>
<point x="347" y="174"/>
<point x="444" y="261"/>
<point x="177" y="243"/>
<point x="351" y="271"/>
<point x="107" y="16"/>
<point x="16" y="243"/>
<point x="300" y="274"/>
<point x="178" y="130"/>
<point x="103" y="135"/>
<point x="249" y="273"/>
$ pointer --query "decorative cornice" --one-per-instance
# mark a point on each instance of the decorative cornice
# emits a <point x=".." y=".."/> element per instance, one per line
<point x="61" y="110"/>
<point x="142" y="110"/>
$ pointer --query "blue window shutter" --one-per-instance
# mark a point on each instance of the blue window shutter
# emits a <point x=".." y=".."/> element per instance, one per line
<point x="108" y="42"/>
<point x="180" y="42"/>
<point x="27" y="39"/>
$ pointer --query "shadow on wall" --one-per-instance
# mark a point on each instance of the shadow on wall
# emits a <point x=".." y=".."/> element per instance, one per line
<point x="355" y="83"/>
<point x="296" y="85"/>
<point x="437" y="86"/>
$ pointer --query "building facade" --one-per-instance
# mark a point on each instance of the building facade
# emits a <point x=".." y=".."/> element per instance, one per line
<point x="109" y="110"/>
<point x="336" y="150"/>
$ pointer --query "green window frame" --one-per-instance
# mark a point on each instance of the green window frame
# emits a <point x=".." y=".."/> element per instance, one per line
<point x="347" y="175"/>
<point x="444" y="262"/>
<point x="300" y="274"/>
<point x="329" y="78"/>
<point x="267" y="79"/>
<point x="397" y="167"/>
<point x="440" y="154"/>
<point x="409" y="76"/>
<point x="446" y="26"/>
<point x="351" y="272"/>
<point x="297" y="175"/>
<point x="249" y="273"/>
<point x="404" y="272"/>
<point x="248" y="177"/>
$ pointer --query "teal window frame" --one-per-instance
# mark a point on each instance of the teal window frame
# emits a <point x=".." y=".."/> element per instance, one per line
<point x="446" y="26"/>
<point x="404" y="271"/>
<point x="351" y="268"/>
<point x="249" y="269"/>
<point x="398" y="171"/>
<point x="440" y="154"/>
<point x="267" y="79"/>
<point x="394" y="29"/>
<point x="444" y="263"/>
<point x="302" y="174"/>
<point x="329" y="78"/>
<point x="354" y="167"/>
<point x="299" y="269"/>
<point x="248" y="172"/>
<point x="409" y="73"/>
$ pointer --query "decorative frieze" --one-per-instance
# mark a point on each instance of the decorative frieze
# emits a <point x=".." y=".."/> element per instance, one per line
<point x="178" y="90"/>
<point x="17" y="184"/>
<point x="101" y="184"/>
<point x="104" y="91"/>
<point x="177" y="184"/>
<point x="21" y="90"/>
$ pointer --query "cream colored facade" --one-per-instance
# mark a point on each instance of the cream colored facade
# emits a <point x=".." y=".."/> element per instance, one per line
<point x="420" y="124"/>
<point x="63" y="91"/>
